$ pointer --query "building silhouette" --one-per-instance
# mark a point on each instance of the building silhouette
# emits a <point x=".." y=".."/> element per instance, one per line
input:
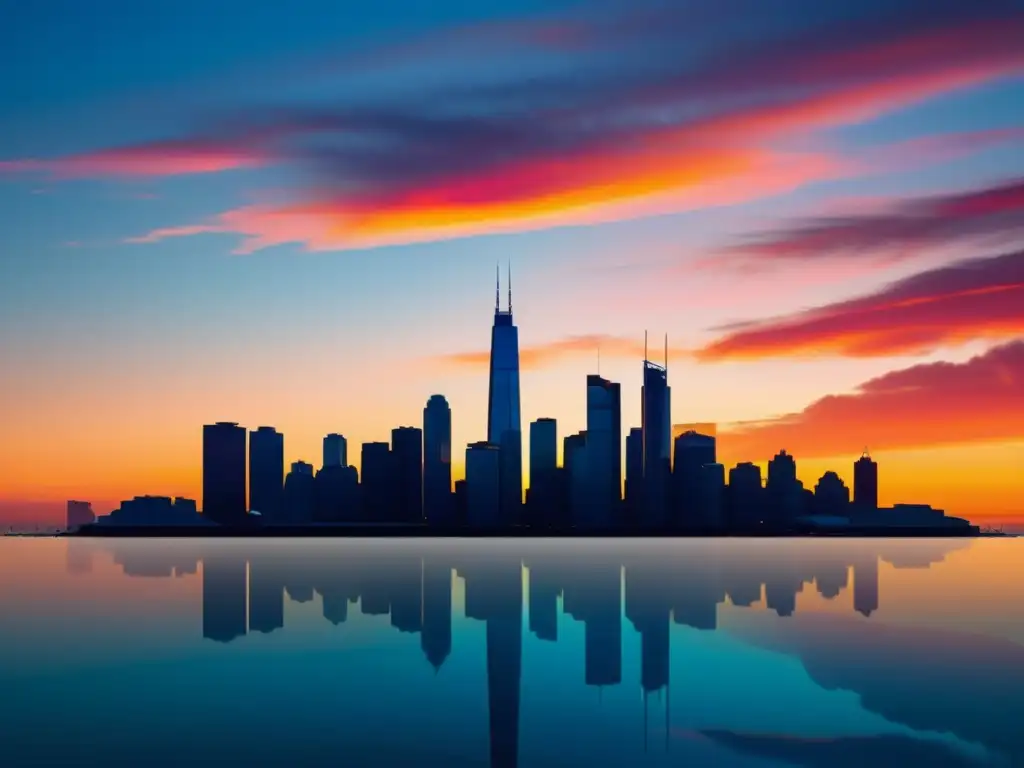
<point x="377" y="487"/>
<point x="783" y="491"/>
<point x="543" y="492"/>
<point x="692" y="451"/>
<point x="575" y="479"/>
<point x="504" y="421"/>
<point x="300" y="493"/>
<point x="603" y="453"/>
<point x="711" y="497"/>
<point x="79" y="513"/>
<point x="335" y="451"/>
<point x="437" y="461"/>
<point x="634" y="475"/>
<point x="744" y="497"/>
<point x="865" y="483"/>
<point x="266" y="473"/>
<point x="407" y="473"/>
<point x="483" y="485"/>
<point x="224" y="473"/>
<point x="655" y="414"/>
<point x="831" y="496"/>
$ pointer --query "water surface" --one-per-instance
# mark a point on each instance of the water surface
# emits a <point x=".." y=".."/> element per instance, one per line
<point x="512" y="653"/>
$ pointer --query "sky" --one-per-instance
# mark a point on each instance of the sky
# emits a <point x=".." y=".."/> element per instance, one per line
<point x="291" y="215"/>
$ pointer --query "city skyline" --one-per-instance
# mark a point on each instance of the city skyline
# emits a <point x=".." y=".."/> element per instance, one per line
<point x="823" y="214"/>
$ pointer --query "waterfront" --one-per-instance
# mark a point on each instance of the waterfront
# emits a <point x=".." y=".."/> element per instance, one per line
<point x="765" y="652"/>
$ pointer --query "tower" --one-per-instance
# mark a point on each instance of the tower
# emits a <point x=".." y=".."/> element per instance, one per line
<point x="655" y="415"/>
<point x="504" y="421"/>
<point x="224" y="472"/>
<point x="266" y="473"/>
<point x="437" y="461"/>
<point x="865" y="483"/>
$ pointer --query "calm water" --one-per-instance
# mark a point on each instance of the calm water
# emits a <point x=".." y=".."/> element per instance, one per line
<point x="469" y="653"/>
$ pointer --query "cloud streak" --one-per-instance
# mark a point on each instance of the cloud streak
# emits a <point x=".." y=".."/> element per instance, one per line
<point x="981" y="400"/>
<point x="993" y="215"/>
<point x="974" y="299"/>
<point x="586" y="142"/>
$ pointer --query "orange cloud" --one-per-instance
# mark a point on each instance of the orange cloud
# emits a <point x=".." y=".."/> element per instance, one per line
<point x="541" y="355"/>
<point x="981" y="400"/>
<point x="975" y="299"/>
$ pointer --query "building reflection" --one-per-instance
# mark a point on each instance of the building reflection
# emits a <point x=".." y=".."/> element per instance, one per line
<point x="610" y="592"/>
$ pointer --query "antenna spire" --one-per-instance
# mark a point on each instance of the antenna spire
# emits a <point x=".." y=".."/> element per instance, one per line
<point x="497" y="287"/>
<point x="510" y="286"/>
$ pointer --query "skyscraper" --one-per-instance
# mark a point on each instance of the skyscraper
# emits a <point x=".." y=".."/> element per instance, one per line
<point x="634" y="473"/>
<point x="784" y="491"/>
<point x="865" y="483"/>
<point x="437" y="461"/>
<point x="692" y="451"/>
<point x="407" y="473"/>
<point x="543" y="471"/>
<point x="377" y="493"/>
<point x="224" y="472"/>
<point x="483" y="485"/>
<point x="604" y="450"/>
<point x="300" y="493"/>
<point x="575" y="479"/>
<point x="335" y="451"/>
<point x="745" y="496"/>
<point x="504" y="422"/>
<point x="655" y="413"/>
<point x="266" y="473"/>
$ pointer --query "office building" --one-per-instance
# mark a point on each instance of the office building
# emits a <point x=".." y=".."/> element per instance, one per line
<point x="831" y="496"/>
<point x="79" y="513"/>
<point x="634" y="473"/>
<point x="655" y="404"/>
<point x="692" y="451"/>
<point x="504" y="422"/>
<point x="865" y="483"/>
<point x="784" y="492"/>
<point x="377" y="486"/>
<point x="543" y="472"/>
<point x="266" y="473"/>
<point x="574" y="479"/>
<point x="407" y="473"/>
<point x="299" y="494"/>
<point x="437" y="461"/>
<point x="711" y="497"/>
<point x="483" y="485"/>
<point x="604" y="450"/>
<point x="335" y="451"/>
<point x="224" y="473"/>
<point x="745" y="501"/>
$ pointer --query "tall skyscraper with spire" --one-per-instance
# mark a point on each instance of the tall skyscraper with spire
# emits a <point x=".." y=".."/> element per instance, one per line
<point x="504" y="421"/>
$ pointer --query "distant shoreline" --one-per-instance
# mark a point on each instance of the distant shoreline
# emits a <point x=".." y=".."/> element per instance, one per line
<point x="415" y="531"/>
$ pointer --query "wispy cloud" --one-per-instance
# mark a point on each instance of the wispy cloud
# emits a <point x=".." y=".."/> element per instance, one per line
<point x="994" y="216"/>
<point x="975" y="299"/>
<point x="541" y="355"/>
<point x="981" y="400"/>
<point x="583" y="142"/>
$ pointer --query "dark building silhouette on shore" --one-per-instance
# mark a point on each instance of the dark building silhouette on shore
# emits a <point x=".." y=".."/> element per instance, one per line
<point x="483" y="485"/>
<point x="377" y="487"/>
<point x="407" y="473"/>
<point x="865" y="483"/>
<point x="437" y="462"/>
<point x="603" y="453"/>
<point x="266" y="473"/>
<point x="335" y="450"/>
<point x="224" y="472"/>
<point x="575" y="479"/>
<point x="634" y="485"/>
<point x="79" y="513"/>
<point x="543" y="493"/>
<point x="504" y="420"/>
<point x="831" y="496"/>
<point x="300" y="493"/>
<point x="655" y="409"/>
<point x="693" y="451"/>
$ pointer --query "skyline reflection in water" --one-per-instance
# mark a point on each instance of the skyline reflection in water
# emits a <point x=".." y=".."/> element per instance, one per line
<point x="512" y="653"/>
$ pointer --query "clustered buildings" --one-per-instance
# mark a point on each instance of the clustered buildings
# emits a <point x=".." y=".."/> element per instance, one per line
<point x="673" y="482"/>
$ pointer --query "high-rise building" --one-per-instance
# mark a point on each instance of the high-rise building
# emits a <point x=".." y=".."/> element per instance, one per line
<point x="634" y="473"/>
<point x="745" y="501"/>
<point x="224" y="472"/>
<point x="655" y="405"/>
<point x="437" y="461"/>
<point x="604" y="450"/>
<point x="266" y="473"/>
<point x="504" y="422"/>
<point x="831" y="496"/>
<point x="377" y="489"/>
<point x="299" y="493"/>
<point x="335" y="450"/>
<point x="692" y="451"/>
<point x="543" y="471"/>
<point x="711" y="496"/>
<point x="483" y="485"/>
<point x="865" y="483"/>
<point x="574" y="477"/>
<point x="784" y="491"/>
<point x="407" y="473"/>
<point x="79" y="513"/>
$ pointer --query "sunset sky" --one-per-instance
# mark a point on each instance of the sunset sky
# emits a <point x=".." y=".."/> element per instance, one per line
<point x="290" y="214"/>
